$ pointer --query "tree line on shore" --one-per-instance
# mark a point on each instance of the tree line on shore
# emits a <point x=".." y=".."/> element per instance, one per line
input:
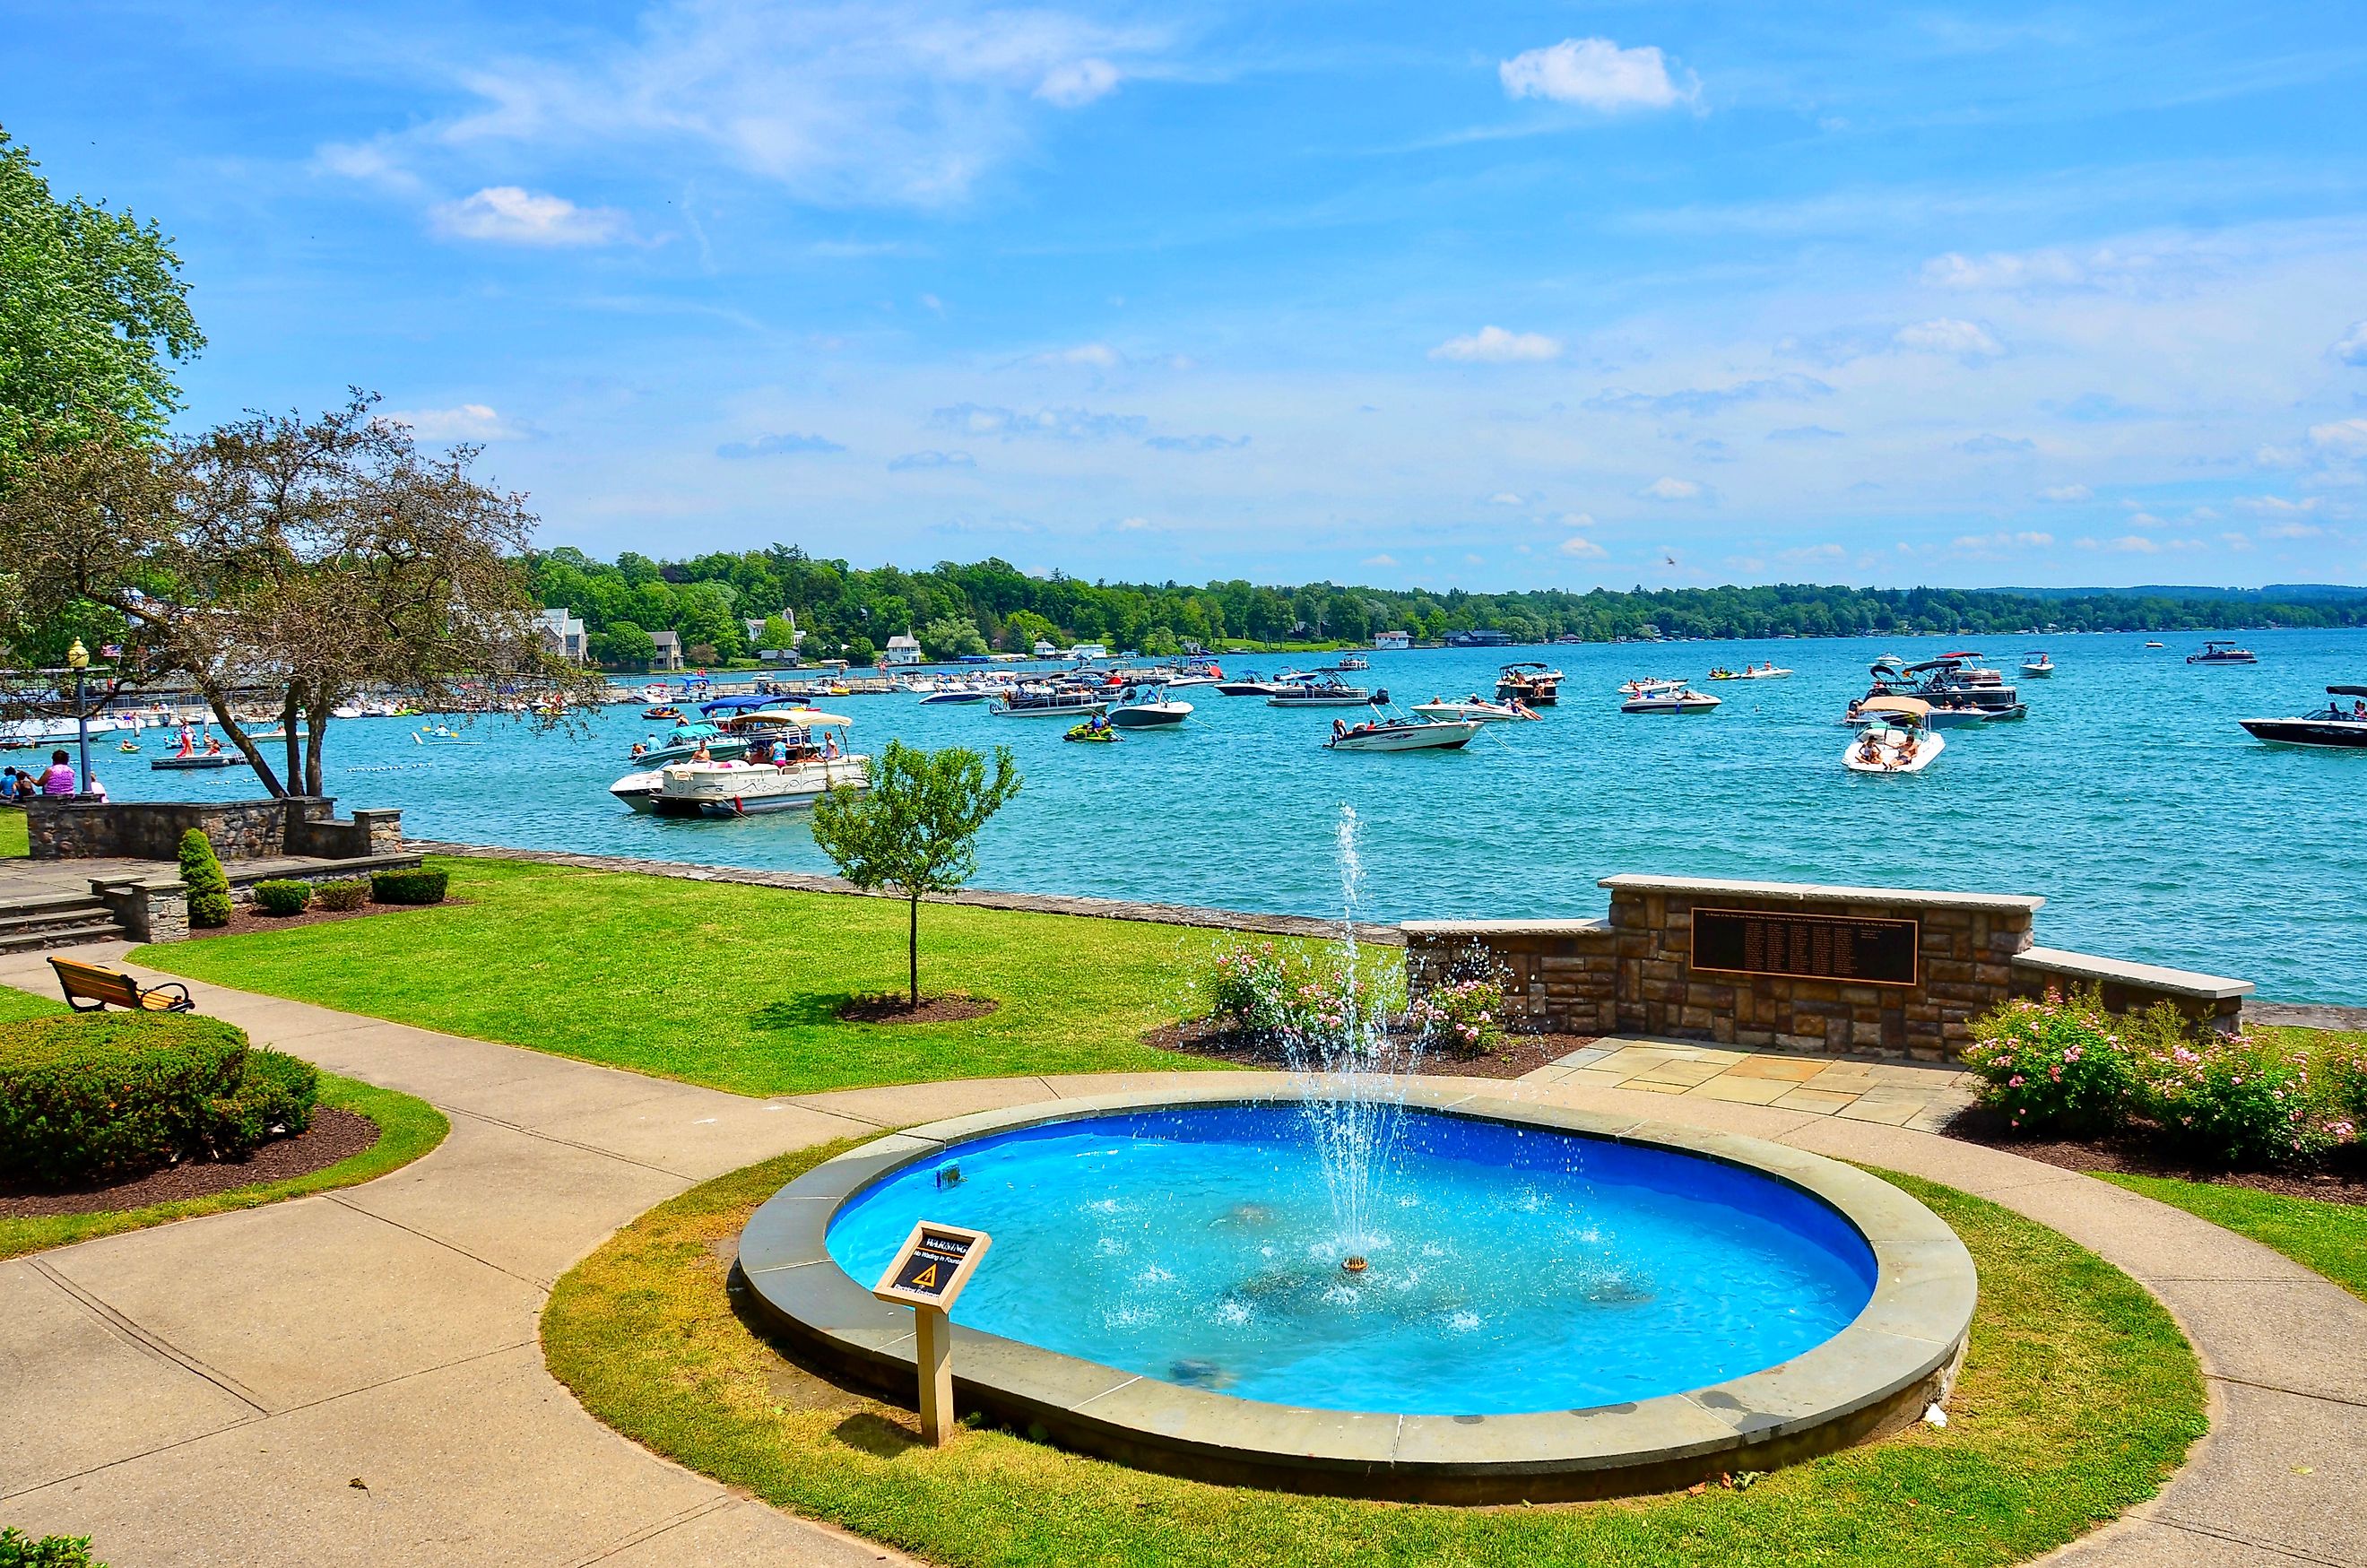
<point x="951" y="609"/>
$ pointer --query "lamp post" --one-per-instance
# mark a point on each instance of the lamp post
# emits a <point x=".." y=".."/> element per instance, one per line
<point x="78" y="661"/>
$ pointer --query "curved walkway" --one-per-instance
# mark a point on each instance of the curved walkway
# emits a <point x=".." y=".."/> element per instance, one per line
<point x="353" y="1378"/>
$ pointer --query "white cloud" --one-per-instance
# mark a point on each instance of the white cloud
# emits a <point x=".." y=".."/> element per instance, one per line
<point x="2142" y="519"/>
<point x="1946" y="334"/>
<point x="2134" y="545"/>
<point x="2067" y="493"/>
<point x="1667" y="488"/>
<point x="913" y="462"/>
<point x="2348" y="435"/>
<point x="1075" y="82"/>
<point x="1494" y="346"/>
<point x="1809" y="555"/>
<point x="2292" y="531"/>
<point x="1577" y="520"/>
<point x="2001" y="270"/>
<point x="1582" y="548"/>
<point x="1504" y="498"/>
<point x="2275" y="505"/>
<point x="1598" y="74"/>
<point x="512" y="215"/>
<point x="1381" y="561"/>
<point x="1098" y="355"/>
<point x="468" y="421"/>
<point x="2351" y="346"/>
<point x="1999" y="543"/>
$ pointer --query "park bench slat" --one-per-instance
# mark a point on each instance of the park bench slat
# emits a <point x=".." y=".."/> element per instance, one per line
<point x="101" y="987"/>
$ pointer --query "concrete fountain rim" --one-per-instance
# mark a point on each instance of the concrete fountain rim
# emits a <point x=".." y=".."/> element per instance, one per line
<point x="1875" y="1376"/>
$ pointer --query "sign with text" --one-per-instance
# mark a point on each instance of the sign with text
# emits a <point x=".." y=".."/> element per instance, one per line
<point x="932" y="1266"/>
<point x="1860" y="951"/>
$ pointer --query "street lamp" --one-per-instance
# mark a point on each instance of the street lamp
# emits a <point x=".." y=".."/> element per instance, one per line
<point x="78" y="661"/>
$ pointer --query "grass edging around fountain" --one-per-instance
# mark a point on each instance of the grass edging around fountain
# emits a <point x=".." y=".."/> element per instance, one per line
<point x="2077" y="1400"/>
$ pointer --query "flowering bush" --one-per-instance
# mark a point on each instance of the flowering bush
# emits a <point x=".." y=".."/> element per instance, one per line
<point x="2054" y="1066"/>
<point x="2240" y="1100"/>
<point x="1467" y="1017"/>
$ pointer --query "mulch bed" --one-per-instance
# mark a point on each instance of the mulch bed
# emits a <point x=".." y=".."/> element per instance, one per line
<point x="1517" y="1054"/>
<point x="245" y="918"/>
<point x="952" y="1008"/>
<point x="2342" y="1179"/>
<point x="333" y="1135"/>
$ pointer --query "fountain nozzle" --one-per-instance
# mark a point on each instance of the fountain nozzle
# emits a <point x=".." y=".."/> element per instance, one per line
<point x="1353" y="1265"/>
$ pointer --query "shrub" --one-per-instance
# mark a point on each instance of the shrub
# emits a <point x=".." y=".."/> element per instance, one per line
<point x="1293" y="993"/>
<point x="21" y="1551"/>
<point x="409" y="886"/>
<point x="349" y="894"/>
<point x="2057" y="1066"/>
<point x="103" y="1096"/>
<point x="2240" y="1100"/>
<point x="1466" y="1016"/>
<point x="283" y="895"/>
<point x="203" y="873"/>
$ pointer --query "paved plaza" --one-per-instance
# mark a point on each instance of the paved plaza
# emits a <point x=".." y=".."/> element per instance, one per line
<point x="354" y="1377"/>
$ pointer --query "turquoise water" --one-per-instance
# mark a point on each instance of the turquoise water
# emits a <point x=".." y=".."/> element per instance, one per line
<point x="2156" y="829"/>
<point x="1514" y="1269"/>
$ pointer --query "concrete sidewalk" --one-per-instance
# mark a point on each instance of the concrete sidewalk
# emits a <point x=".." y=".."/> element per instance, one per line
<point x="207" y="1391"/>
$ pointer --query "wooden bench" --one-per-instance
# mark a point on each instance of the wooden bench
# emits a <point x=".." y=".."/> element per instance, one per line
<point x="94" y="988"/>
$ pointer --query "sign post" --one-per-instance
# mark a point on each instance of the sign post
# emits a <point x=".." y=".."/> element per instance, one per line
<point x="928" y="1272"/>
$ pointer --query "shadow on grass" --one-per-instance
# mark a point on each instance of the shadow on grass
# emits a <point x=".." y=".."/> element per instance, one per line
<point x="801" y="1011"/>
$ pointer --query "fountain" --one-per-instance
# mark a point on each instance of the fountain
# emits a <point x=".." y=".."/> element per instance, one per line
<point x="1351" y="1280"/>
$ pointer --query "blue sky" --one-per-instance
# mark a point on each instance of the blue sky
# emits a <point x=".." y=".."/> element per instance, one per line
<point x="1485" y="295"/>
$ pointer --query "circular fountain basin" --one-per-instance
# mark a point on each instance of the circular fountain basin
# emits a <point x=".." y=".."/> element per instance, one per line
<point x="1553" y="1303"/>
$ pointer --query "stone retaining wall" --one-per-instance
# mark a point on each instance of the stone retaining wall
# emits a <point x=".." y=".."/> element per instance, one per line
<point x="239" y="830"/>
<point x="1634" y="972"/>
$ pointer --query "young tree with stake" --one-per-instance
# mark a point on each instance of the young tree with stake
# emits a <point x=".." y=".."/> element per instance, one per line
<point x="915" y="828"/>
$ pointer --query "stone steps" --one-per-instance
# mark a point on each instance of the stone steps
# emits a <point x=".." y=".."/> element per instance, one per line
<point x="35" y="925"/>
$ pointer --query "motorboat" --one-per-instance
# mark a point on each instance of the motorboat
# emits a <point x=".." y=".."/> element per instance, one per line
<point x="683" y="743"/>
<point x="1674" y="697"/>
<point x="1476" y="707"/>
<point x="958" y="694"/>
<point x="1949" y="678"/>
<point x="2223" y="653"/>
<point x="1050" y="702"/>
<point x="1644" y="683"/>
<point x="47" y="733"/>
<point x="792" y="769"/>
<point x="1770" y="671"/>
<point x="2332" y="725"/>
<point x="1249" y="683"/>
<point x="1530" y="681"/>
<point x="1152" y="709"/>
<point x="1899" y="744"/>
<point x="1355" y="662"/>
<point x="1322" y="691"/>
<point x="1403" y="735"/>
<point x="2037" y="666"/>
<point x="2153" y="645"/>
<point x="1954" y="713"/>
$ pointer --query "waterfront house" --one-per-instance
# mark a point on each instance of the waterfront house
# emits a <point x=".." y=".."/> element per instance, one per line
<point x="669" y="653"/>
<point x="1387" y="642"/>
<point x="903" y="649"/>
<point x="565" y="635"/>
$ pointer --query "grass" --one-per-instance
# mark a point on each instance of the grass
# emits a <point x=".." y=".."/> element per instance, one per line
<point x="408" y="1128"/>
<point x="15" y="1005"/>
<point x="15" y="840"/>
<point x="2328" y="1238"/>
<point x="2078" y="1399"/>
<point x="729" y="985"/>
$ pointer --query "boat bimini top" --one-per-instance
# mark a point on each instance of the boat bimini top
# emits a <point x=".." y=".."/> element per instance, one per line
<point x="1913" y="709"/>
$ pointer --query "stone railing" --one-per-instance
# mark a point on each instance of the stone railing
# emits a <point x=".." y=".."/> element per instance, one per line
<point x="239" y="830"/>
<point x="1787" y="966"/>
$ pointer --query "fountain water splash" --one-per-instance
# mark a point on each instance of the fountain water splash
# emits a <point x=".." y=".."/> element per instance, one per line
<point x="1351" y="1075"/>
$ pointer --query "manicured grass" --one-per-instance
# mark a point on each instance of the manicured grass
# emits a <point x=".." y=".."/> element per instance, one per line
<point x="2078" y="1399"/>
<point x="15" y="1005"/>
<point x="729" y="985"/>
<point x="2328" y="1238"/>
<point x="407" y="1129"/>
<point x="15" y="842"/>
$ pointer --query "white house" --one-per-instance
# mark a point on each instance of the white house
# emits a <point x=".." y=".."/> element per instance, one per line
<point x="1045" y="649"/>
<point x="563" y="635"/>
<point x="669" y="654"/>
<point x="1386" y="641"/>
<point x="903" y="649"/>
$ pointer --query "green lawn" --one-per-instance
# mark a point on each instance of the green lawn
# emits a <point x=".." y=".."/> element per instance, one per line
<point x="15" y="1005"/>
<point x="14" y="841"/>
<point x="2328" y="1238"/>
<point x="729" y="985"/>
<point x="2078" y="1399"/>
<point x="407" y="1129"/>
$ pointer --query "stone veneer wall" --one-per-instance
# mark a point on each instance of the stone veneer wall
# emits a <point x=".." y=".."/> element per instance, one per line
<point x="1633" y="972"/>
<point x="240" y="829"/>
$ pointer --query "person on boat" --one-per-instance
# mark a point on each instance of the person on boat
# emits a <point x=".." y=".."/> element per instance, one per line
<point x="1339" y="727"/>
<point x="829" y="748"/>
<point x="702" y="754"/>
<point x="640" y="750"/>
<point x="1868" y="749"/>
<point x="1907" y="749"/>
<point x="213" y="745"/>
<point x="58" y="778"/>
<point x="2358" y="708"/>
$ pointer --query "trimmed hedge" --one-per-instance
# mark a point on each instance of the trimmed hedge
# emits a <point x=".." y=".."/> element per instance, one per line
<point x="201" y="871"/>
<point x="104" y="1097"/>
<point x="421" y="887"/>
<point x="282" y="896"/>
<point x="20" y="1551"/>
<point x="350" y="894"/>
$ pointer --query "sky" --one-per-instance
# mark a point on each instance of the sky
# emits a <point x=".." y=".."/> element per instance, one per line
<point x="1484" y="296"/>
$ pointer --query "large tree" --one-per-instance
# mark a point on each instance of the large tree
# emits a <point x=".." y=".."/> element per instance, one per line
<point x="91" y="307"/>
<point x="285" y="562"/>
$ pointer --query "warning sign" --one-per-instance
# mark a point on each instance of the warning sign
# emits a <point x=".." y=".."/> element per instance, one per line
<point x="932" y="1266"/>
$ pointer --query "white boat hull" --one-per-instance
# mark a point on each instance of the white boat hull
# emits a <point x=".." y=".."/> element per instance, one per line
<point x="747" y="789"/>
<point x="1888" y="745"/>
<point x="1436" y="736"/>
<point x="1149" y="715"/>
<point x="1692" y="702"/>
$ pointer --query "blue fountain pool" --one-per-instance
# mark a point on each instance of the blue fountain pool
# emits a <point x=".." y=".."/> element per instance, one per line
<point x="1510" y="1268"/>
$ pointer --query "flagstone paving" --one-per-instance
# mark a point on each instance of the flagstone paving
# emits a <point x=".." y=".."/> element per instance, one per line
<point x="354" y="1378"/>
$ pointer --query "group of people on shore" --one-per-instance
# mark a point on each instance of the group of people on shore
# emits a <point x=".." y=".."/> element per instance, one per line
<point x="56" y="782"/>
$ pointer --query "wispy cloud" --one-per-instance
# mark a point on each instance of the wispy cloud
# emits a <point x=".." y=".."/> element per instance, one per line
<point x="468" y="422"/>
<point x="914" y="462"/>
<point x="1196" y="442"/>
<point x="1996" y="445"/>
<point x="786" y="445"/>
<point x="2350" y="348"/>
<point x="1709" y="399"/>
<point x="1671" y="489"/>
<point x="1051" y="424"/>
<point x="1597" y="73"/>
<point x="1579" y="546"/>
<point x="1946" y="334"/>
<point x="2066" y="493"/>
<point x="1803" y="433"/>
<point x="1494" y="346"/>
<point x="512" y="215"/>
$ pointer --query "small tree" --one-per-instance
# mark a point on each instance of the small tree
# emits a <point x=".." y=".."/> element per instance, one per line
<point x="201" y="872"/>
<point x="915" y="829"/>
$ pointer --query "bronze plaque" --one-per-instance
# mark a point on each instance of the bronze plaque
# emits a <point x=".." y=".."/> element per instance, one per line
<point x="1863" y="952"/>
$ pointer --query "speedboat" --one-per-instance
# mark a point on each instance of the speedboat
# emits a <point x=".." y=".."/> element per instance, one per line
<point x="1770" y="671"/>
<point x="1354" y="661"/>
<point x="2223" y="653"/>
<point x="1674" y="697"/>
<point x="1050" y="702"/>
<point x="2333" y="724"/>
<point x="1949" y="678"/>
<point x="1249" y="683"/>
<point x="1530" y="681"/>
<point x="1149" y="710"/>
<point x="1900" y="744"/>
<point x="956" y="695"/>
<point x="1403" y="735"/>
<point x="1476" y="708"/>
<point x="742" y="788"/>
<point x="1322" y="691"/>
<point x="2037" y="666"/>
<point x="681" y="744"/>
<point x="1642" y="684"/>
<point x="2153" y="645"/>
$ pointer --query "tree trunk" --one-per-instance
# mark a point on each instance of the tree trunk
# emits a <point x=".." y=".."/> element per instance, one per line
<point x="291" y="708"/>
<point x="912" y="947"/>
<point x="218" y="700"/>
<point x="316" y="729"/>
